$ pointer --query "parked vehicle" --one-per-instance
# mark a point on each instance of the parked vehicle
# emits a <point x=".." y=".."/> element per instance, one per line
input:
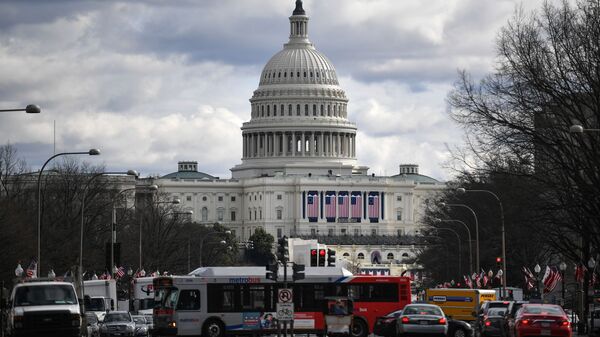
<point x="143" y="295"/>
<point x="100" y="296"/>
<point x="93" y="325"/>
<point x="458" y="328"/>
<point x="461" y="304"/>
<point x="149" y="323"/>
<point x="117" y="323"/>
<point x="141" y="325"/>
<point x="542" y="320"/>
<point x="44" y="307"/>
<point x="422" y="319"/>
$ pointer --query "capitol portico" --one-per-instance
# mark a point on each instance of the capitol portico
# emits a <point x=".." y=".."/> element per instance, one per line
<point x="298" y="174"/>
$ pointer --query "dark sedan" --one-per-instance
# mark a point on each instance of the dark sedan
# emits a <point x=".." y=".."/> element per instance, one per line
<point x="493" y="323"/>
<point x="386" y="325"/>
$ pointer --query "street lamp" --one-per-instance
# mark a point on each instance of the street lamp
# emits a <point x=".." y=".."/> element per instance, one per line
<point x="443" y="204"/>
<point x="30" y="109"/>
<point x="227" y="232"/>
<point x="83" y="195"/>
<point x="113" y="229"/>
<point x="91" y="152"/>
<point x="576" y="128"/>
<point x="505" y="272"/>
<point x="562" y="266"/>
<point x="537" y="269"/>
<point x="470" y="240"/>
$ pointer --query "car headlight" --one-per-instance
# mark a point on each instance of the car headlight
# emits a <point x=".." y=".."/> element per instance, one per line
<point x="130" y="327"/>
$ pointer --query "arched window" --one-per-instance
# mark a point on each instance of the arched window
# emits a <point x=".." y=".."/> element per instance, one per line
<point x="328" y="110"/>
<point x="282" y="110"/>
<point x="314" y="109"/>
<point x="274" y="110"/>
<point x="305" y="109"/>
<point x="404" y="255"/>
<point x="305" y="74"/>
<point x="220" y="214"/>
<point x="204" y="214"/>
<point x="390" y="256"/>
<point x="322" y="110"/>
<point x="298" y="110"/>
<point x="279" y="75"/>
<point x="361" y="256"/>
<point x="346" y="255"/>
<point x="289" y="110"/>
<point x="262" y="111"/>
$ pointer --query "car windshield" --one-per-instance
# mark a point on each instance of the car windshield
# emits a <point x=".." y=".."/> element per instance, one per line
<point x="496" y="311"/>
<point x="45" y="295"/>
<point x="542" y="309"/>
<point x="422" y="310"/>
<point x="117" y="317"/>
<point x="139" y="319"/>
<point x="395" y="313"/>
<point x="95" y="304"/>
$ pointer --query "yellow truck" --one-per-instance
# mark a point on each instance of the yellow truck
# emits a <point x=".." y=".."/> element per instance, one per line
<point x="461" y="304"/>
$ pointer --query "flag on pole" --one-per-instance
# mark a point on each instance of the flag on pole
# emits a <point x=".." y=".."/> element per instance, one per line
<point x="31" y="271"/>
<point x="580" y="272"/>
<point x="529" y="278"/>
<point x="120" y="272"/>
<point x="551" y="278"/>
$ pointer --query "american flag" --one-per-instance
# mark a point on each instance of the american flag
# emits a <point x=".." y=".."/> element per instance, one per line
<point x="31" y="271"/>
<point x="580" y="272"/>
<point x="313" y="205"/>
<point x="120" y="272"/>
<point x="330" y="205"/>
<point x="356" y="205"/>
<point x="373" y="205"/>
<point x="551" y="278"/>
<point x="529" y="278"/>
<point x="343" y="204"/>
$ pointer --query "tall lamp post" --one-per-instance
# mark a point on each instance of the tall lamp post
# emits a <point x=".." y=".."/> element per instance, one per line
<point x="443" y="204"/>
<point x="562" y="266"/>
<point x="227" y="232"/>
<point x="502" y="229"/>
<point x="576" y="128"/>
<point x="30" y="109"/>
<point x="113" y="229"/>
<point x="175" y="201"/>
<point x="470" y="240"/>
<point x="537" y="269"/>
<point x="83" y="195"/>
<point x="91" y="152"/>
<point x="592" y="268"/>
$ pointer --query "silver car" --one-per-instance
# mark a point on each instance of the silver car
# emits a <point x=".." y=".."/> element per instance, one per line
<point x="422" y="319"/>
<point x="117" y="323"/>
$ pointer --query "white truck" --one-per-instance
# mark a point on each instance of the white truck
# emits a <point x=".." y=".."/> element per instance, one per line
<point x="42" y="307"/>
<point x="100" y="296"/>
<point x="143" y="295"/>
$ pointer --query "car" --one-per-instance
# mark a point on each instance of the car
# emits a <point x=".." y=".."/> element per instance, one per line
<point x="542" y="320"/>
<point x="93" y="326"/>
<point x="509" y="318"/>
<point x="386" y="325"/>
<point x="422" y="319"/>
<point x="485" y="306"/>
<point x="117" y="323"/>
<point x="149" y="323"/>
<point x="141" y="325"/>
<point x="458" y="328"/>
<point x="493" y="322"/>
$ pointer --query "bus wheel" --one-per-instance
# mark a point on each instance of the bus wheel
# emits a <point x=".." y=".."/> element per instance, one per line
<point x="213" y="328"/>
<point x="359" y="328"/>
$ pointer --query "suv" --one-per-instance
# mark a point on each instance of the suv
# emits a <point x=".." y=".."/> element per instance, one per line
<point x="483" y="312"/>
<point x="44" y="308"/>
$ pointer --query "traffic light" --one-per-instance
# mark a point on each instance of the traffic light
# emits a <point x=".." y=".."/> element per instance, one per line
<point x="282" y="249"/>
<point x="331" y="257"/>
<point x="313" y="257"/>
<point x="272" y="270"/>
<point x="298" y="272"/>
<point x="321" y="257"/>
<point x="499" y="262"/>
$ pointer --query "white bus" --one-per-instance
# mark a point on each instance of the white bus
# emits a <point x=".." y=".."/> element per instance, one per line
<point x="216" y="301"/>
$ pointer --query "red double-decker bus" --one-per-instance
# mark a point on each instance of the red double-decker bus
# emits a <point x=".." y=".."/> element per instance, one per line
<point x="216" y="301"/>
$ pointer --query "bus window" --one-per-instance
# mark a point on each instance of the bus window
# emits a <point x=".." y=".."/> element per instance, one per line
<point x="309" y="297"/>
<point x="253" y="297"/>
<point x="170" y="298"/>
<point x="189" y="300"/>
<point x="376" y="292"/>
<point x="221" y="297"/>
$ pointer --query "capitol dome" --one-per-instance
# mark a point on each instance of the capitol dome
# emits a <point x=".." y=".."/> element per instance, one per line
<point x="299" y="122"/>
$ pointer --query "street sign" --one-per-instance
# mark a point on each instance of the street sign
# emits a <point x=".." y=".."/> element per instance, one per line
<point x="285" y="295"/>
<point x="285" y="311"/>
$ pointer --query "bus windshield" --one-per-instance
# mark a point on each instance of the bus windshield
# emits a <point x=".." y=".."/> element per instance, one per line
<point x="146" y="303"/>
<point x="166" y="298"/>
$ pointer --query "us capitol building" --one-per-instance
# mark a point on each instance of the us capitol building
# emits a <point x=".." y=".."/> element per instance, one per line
<point x="299" y="174"/>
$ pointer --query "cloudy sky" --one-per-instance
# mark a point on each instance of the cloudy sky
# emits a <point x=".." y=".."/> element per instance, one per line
<point x="153" y="82"/>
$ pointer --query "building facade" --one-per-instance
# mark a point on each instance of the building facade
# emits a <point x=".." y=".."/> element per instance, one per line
<point x="299" y="175"/>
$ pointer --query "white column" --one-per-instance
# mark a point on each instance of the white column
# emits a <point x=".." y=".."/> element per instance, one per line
<point x="294" y="144"/>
